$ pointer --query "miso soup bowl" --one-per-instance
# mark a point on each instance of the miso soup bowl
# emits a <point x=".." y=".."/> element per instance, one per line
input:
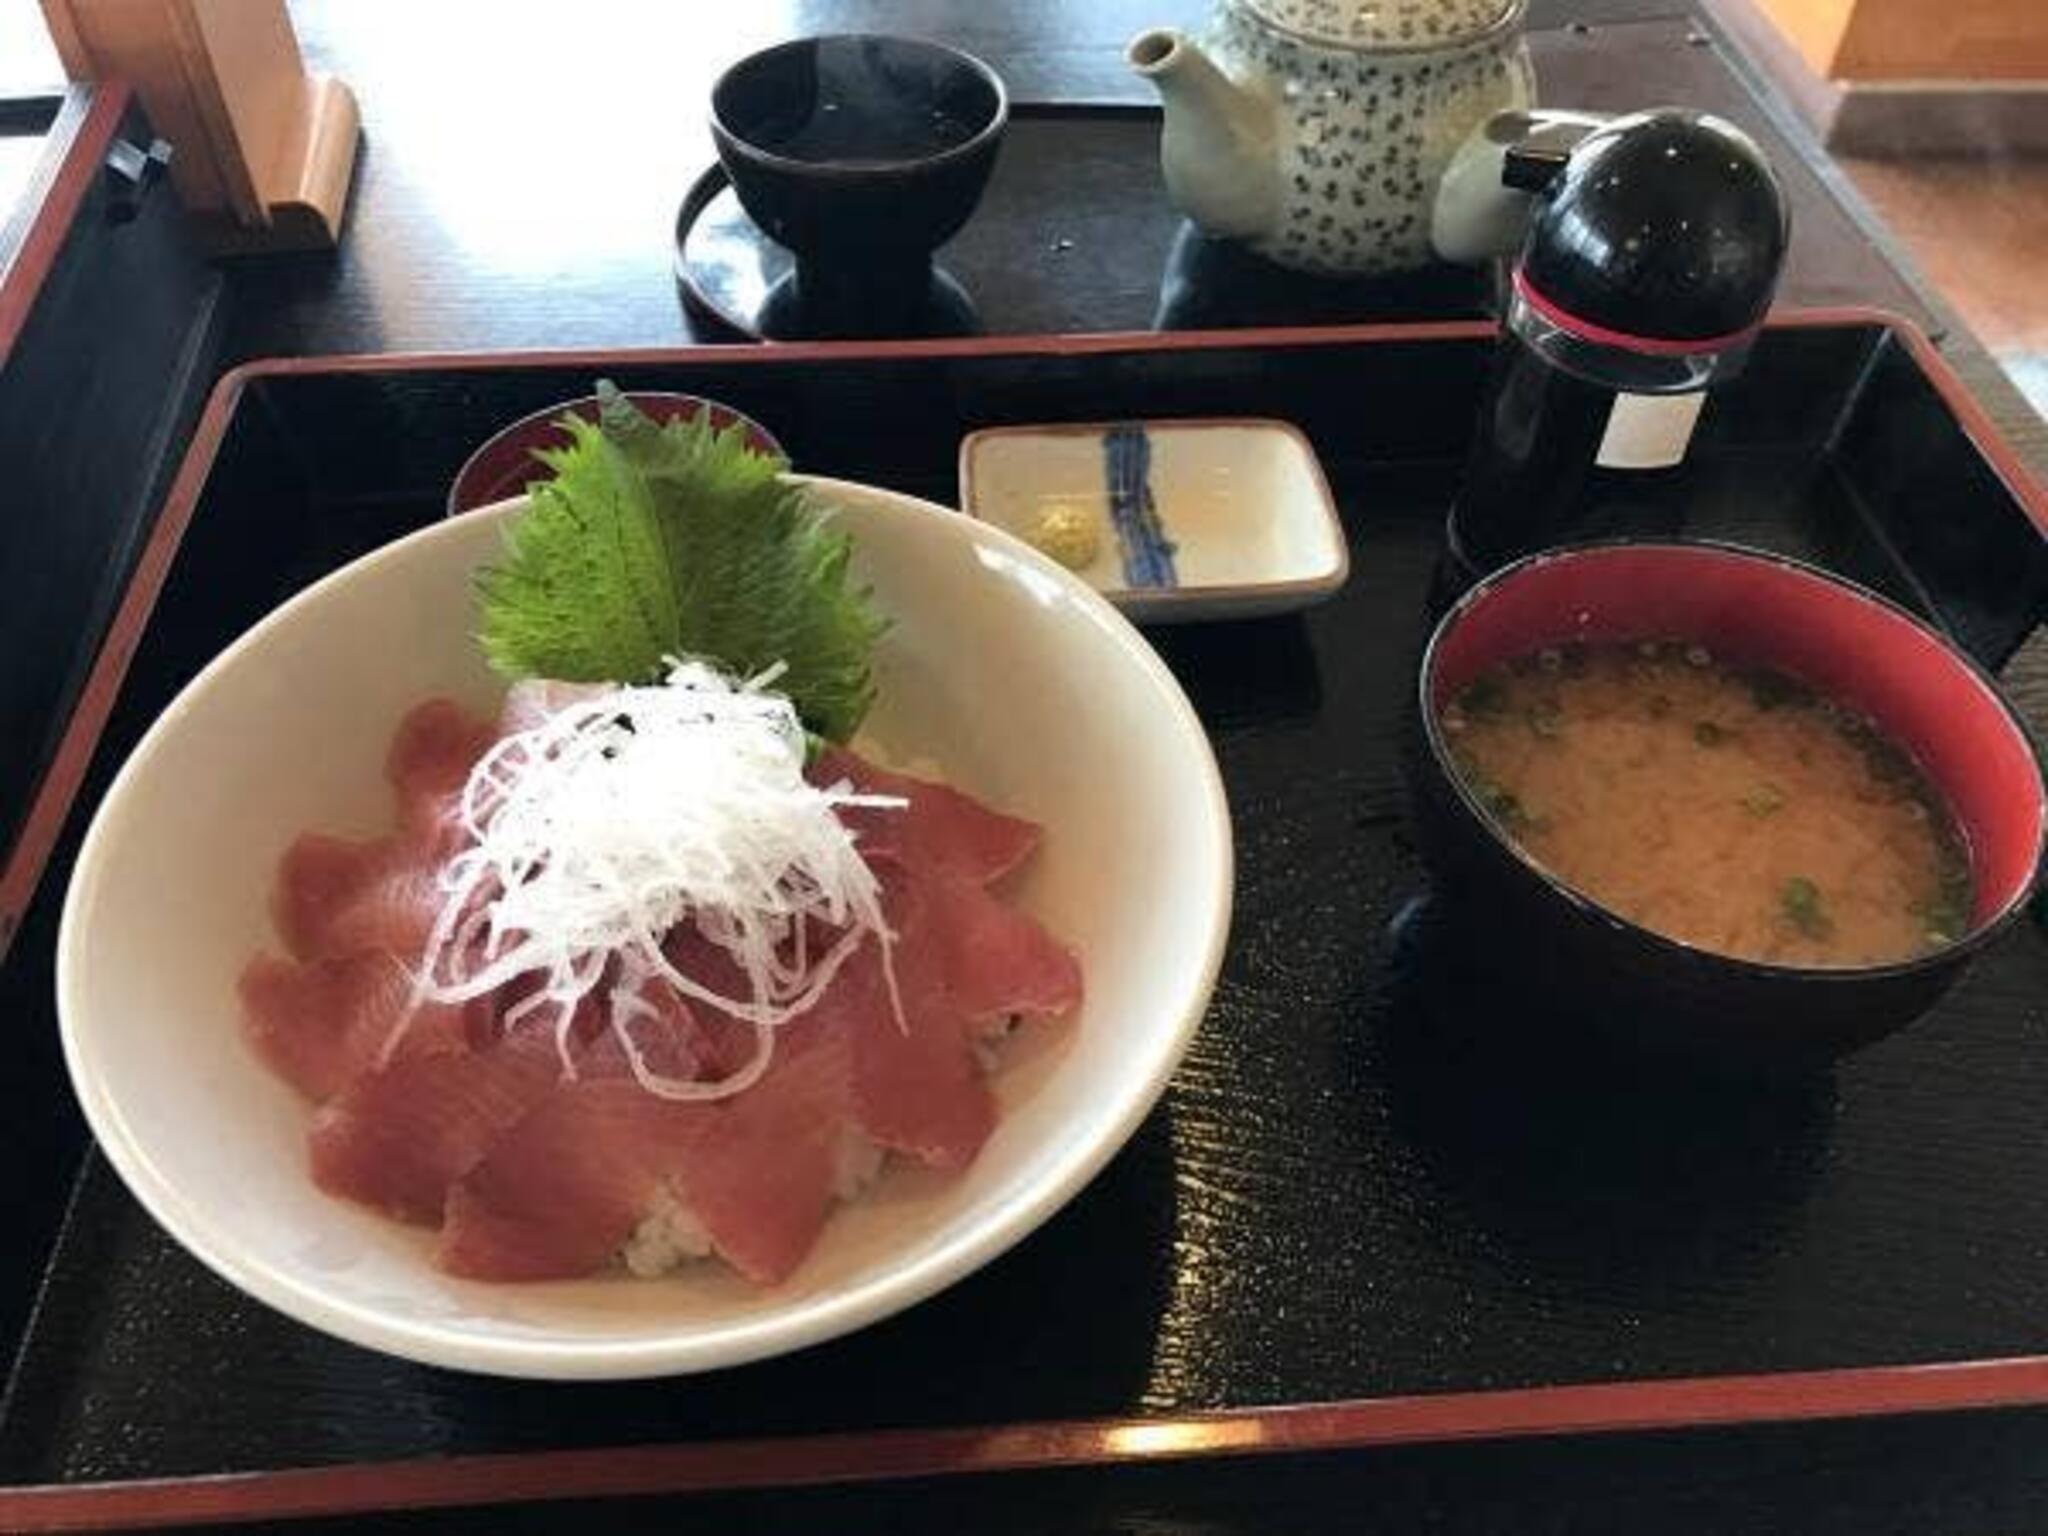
<point x="1581" y="963"/>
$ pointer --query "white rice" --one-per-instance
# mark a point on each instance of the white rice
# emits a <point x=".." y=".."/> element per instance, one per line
<point x="667" y="1236"/>
<point x="670" y="1235"/>
<point x="856" y="1164"/>
<point x="990" y="1035"/>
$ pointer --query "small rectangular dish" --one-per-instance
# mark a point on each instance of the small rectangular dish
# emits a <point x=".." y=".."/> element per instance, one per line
<point x="1170" y="520"/>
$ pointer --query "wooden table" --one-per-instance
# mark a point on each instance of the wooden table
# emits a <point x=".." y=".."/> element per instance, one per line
<point x="524" y="197"/>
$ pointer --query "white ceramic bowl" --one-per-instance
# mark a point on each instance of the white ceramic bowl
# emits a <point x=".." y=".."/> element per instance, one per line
<point x="1017" y="679"/>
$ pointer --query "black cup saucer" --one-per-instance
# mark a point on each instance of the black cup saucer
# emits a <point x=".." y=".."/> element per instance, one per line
<point x="731" y="273"/>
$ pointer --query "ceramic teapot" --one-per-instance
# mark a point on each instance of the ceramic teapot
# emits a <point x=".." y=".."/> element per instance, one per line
<point x="1348" y="136"/>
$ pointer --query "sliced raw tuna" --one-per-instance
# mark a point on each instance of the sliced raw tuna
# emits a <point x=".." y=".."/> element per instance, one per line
<point x="336" y="897"/>
<point x="397" y="1137"/>
<point x="318" y="877"/>
<point x="392" y="914"/>
<point x="676" y="1038"/>
<point x="759" y="1175"/>
<point x="436" y="746"/>
<point x="1000" y="961"/>
<point x="719" y="1044"/>
<point x="560" y="1192"/>
<point x="319" y="1024"/>
<point x="941" y="829"/>
<point x="916" y="1086"/>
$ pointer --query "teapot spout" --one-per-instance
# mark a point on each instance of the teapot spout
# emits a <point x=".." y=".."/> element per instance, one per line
<point x="1216" y="146"/>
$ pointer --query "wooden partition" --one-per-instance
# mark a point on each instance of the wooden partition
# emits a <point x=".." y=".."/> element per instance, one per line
<point x="264" y="149"/>
<point x="1921" y="40"/>
<point x="1904" y="77"/>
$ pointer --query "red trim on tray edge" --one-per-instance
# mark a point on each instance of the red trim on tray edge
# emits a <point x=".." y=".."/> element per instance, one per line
<point x="1600" y="335"/>
<point x="78" y="138"/>
<point x="884" y="1456"/>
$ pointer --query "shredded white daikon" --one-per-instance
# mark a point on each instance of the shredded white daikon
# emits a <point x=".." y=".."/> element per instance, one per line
<point x="628" y="813"/>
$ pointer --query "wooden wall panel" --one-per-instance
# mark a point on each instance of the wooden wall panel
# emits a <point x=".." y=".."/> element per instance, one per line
<point x="1944" y="40"/>
<point x="1814" y="27"/>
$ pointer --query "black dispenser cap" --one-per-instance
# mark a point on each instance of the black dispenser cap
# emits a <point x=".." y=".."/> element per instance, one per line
<point x="1661" y="228"/>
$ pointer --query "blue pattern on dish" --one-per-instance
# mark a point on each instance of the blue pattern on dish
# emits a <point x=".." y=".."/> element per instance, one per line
<point x="1133" y="511"/>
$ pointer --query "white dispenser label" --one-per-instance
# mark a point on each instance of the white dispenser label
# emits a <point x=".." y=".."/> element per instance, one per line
<point x="1649" y="431"/>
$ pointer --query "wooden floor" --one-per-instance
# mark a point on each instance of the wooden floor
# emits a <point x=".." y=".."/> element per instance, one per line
<point x="1978" y="229"/>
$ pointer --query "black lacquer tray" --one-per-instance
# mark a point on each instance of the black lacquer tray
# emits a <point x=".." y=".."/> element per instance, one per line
<point x="1351" y="1222"/>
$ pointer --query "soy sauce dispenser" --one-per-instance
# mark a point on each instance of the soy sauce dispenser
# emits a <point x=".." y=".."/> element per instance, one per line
<point x="1651" y="257"/>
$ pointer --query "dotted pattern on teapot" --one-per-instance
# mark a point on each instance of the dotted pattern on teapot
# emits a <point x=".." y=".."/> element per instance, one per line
<point x="1383" y="23"/>
<point x="1365" y="137"/>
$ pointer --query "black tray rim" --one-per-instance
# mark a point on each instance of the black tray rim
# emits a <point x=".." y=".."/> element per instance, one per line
<point x="892" y="1455"/>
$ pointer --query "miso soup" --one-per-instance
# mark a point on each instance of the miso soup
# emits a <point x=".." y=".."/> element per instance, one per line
<point x="1729" y="808"/>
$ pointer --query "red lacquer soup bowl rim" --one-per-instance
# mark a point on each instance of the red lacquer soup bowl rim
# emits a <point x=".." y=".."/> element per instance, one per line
<point x="1967" y="670"/>
<point x="510" y="444"/>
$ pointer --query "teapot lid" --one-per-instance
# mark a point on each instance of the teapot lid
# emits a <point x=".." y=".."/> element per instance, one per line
<point x="1388" y="25"/>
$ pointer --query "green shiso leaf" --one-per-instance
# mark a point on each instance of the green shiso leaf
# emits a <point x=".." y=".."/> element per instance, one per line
<point x="677" y="540"/>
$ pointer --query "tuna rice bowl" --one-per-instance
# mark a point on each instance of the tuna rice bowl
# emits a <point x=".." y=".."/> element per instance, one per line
<point x="511" y="957"/>
<point x="654" y="965"/>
